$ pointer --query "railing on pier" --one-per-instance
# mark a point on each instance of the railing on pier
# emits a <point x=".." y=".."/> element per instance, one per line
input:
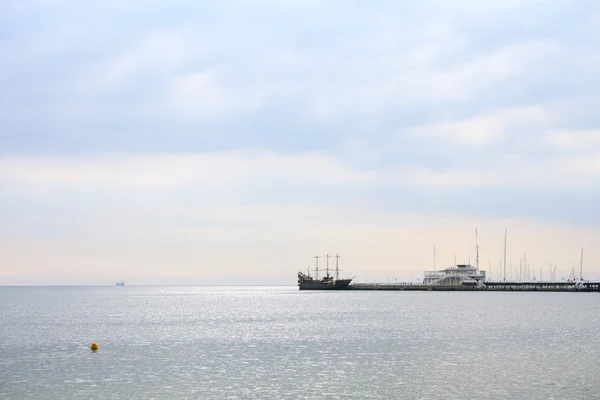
<point x="569" y="286"/>
<point x="499" y="286"/>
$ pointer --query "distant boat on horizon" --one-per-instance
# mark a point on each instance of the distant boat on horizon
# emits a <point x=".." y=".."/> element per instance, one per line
<point x="120" y="283"/>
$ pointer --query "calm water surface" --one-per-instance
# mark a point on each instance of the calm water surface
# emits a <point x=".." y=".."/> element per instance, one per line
<point x="279" y="343"/>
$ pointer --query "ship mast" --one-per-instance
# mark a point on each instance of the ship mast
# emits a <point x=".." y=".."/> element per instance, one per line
<point x="337" y="270"/>
<point x="581" y="267"/>
<point x="477" y="252"/>
<point x="505" y="234"/>
<point x="327" y="256"/>
<point x="317" y="267"/>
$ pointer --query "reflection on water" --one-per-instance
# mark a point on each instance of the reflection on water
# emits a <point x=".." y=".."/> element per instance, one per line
<point x="279" y="343"/>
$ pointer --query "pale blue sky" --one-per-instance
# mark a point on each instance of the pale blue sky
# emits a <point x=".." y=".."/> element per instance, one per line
<point x="146" y="139"/>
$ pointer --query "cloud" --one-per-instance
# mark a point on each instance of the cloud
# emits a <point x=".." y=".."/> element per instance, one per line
<point x="568" y="173"/>
<point x="415" y="75"/>
<point x="172" y="170"/>
<point x="155" y="55"/>
<point x="483" y="129"/>
<point x="574" y="140"/>
<point x="388" y="63"/>
<point x="221" y="120"/>
<point x="247" y="174"/>
<point x="202" y="95"/>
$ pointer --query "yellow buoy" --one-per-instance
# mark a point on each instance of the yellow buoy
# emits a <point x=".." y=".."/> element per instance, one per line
<point x="94" y="346"/>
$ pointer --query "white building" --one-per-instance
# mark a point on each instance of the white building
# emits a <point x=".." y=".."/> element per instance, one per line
<point x="463" y="274"/>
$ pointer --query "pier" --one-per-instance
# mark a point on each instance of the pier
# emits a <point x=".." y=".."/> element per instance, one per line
<point x="408" y="287"/>
<point x="577" y="286"/>
<point x="491" y="286"/>
<point x="458" y="277"/>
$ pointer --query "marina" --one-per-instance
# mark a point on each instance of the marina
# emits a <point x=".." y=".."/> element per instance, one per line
<point x="456" y="278"/>
<point x="459" y="277"/>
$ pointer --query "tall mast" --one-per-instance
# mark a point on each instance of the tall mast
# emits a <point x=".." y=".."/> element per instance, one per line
<point x="581" y="266"/>
<point x="337" y="270"/>
<point x="317" y="268"/>
<point x="327" y="264"/>
<point x="477" y="251"/>
<point x="505" y="234"/>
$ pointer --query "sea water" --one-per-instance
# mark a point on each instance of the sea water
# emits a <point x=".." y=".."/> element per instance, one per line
<point x="281" y="343"/>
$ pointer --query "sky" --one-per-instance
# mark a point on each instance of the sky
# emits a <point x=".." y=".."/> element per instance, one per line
<point x="193" y="142"/>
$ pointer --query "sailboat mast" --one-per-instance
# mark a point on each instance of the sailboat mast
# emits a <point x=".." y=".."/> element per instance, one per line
<point x="505" y="234"/>
<point x="520" y="270"/>
<point x="477" y="252"/>
<point x="581" y="266"/>
<point x="328" y="264"/>
<point x="337" y="269"/>
<point x="317" y="267"/>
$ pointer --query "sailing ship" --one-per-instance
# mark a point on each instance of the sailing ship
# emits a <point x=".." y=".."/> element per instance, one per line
<point x="328" y="282"/>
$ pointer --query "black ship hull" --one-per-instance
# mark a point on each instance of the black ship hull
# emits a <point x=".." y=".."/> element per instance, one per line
<point x="306" y="282"/>
<point x="323" y="286"/>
